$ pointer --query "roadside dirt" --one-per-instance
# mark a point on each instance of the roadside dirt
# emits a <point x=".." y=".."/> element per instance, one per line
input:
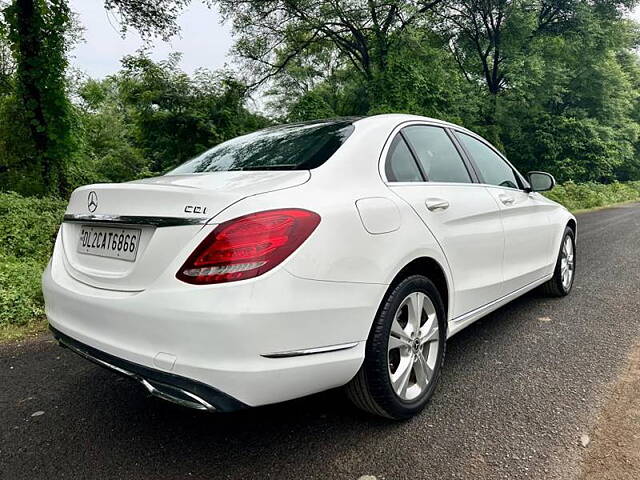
<point x="613" y="451"/>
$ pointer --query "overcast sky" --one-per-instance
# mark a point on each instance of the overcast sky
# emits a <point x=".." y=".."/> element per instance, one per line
<point x="204" y="42"/>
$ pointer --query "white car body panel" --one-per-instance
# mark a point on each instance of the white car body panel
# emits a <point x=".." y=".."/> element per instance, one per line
<point x="166" y="196"/>
<point x="239" y="337"/>
<point x="470" y="231"/>
<point x="528" y="237"/>
<point x="379" y="215"/>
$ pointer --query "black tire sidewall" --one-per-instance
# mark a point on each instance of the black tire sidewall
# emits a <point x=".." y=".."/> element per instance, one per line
<point x="376" y="357"/>
<point x="568" y="232"/>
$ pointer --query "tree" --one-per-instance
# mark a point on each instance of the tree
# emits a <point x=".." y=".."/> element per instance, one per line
<point x="7" y="63"/>
<point x="484" y="34"/>
<point x="151" y="116"/>
<point x="272" y="34"/>
<point x="148" y="17"/>
<point x="493" y="34"/>
<point x="572" y="107"/>
<point x="420" y="78"/>
<point x="36" y="31"/>
<point x="37" y="141"/>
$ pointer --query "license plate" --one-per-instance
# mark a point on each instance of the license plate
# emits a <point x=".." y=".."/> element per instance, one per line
<point x="112" y="242"/>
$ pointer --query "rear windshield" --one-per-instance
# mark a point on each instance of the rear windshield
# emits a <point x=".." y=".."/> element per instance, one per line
<point x="300" y="146"/>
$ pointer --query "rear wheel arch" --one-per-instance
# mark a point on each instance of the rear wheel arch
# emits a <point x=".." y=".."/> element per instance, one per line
<point x="429" y="268"/>
<point x="374" y="388"/>
<point x="573" y="226"/>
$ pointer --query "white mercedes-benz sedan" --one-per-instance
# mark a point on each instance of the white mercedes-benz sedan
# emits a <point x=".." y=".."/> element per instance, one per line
<point x="304" y="257"/>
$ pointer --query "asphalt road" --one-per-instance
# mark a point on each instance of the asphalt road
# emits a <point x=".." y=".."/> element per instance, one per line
<point x="518" y="390"/>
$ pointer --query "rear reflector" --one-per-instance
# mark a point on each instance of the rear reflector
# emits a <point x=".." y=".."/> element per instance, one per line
<point x="248" y="246"/>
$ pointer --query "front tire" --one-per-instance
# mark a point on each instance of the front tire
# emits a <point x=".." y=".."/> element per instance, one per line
<point x="564" y="273"/>
<point x="404" y="352"/>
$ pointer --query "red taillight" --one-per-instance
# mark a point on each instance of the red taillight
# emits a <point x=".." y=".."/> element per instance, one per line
<point x="248" y="246"/>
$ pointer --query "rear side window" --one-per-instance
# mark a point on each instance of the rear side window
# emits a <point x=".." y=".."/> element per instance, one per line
<point x="300" y="146"/>
<point x="438" y="157"/>
<point x="401" y="166"/>
<point x="494" y="170"/>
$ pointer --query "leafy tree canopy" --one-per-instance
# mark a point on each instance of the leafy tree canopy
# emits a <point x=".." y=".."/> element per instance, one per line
<point x="151" y="116"/>
<point x="39" y="110"/>
<point x="149" y="17"/>
<point x="555" y="84"/>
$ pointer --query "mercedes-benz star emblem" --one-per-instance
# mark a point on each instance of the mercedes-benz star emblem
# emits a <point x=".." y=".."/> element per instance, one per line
<point x="92" y="201"/>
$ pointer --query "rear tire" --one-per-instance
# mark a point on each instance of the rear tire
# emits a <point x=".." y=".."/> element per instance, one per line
<point x="404" y="352"/>
<point x="564" y="273"/>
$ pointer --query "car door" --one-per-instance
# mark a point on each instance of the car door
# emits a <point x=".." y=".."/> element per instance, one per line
<point x="527" y="229"/>
<point x="424" y="167"/>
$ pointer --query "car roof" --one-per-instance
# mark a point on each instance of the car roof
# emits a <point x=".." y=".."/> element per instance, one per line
<point x="397" y="118"/>
<point x="390" y="119"/>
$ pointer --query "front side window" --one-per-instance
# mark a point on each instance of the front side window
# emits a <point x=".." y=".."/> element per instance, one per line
<point x="438" y="157"/>
<point x="401" y="166"/>
<point x="301" y="146"/>
<point x="494" y="170"/>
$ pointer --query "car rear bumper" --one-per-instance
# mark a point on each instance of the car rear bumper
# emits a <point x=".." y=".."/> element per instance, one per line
<point x="173" y="388"/>
<point x="252" y="343"/>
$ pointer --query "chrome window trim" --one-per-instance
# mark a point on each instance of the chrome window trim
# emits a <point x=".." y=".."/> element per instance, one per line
<point x="382" y="160"/>
<point x="135" y="220"/>
<point x="437" y="184"/>
<point x="455" y="129"/>
<point x="477" y="137"/>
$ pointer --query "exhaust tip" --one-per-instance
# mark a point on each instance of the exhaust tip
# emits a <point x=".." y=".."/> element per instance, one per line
<point x="176" y="395"/>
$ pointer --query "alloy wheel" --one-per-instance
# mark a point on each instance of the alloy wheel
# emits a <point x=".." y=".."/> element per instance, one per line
<point x="567" y="263"/>
<point x="413" y="346"/>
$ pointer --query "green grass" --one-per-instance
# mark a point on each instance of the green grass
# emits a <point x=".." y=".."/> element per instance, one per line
<point x="28" y="228"/>
<point x="589" y="196"/>
<point x="10" y="332"/>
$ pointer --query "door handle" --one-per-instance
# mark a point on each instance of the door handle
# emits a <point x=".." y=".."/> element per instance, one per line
<point x="506" y="199"/>
<point x="434" y="204"/>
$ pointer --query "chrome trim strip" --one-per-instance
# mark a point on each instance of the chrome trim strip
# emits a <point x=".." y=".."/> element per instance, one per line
<point x="198" y="403"/>
<point x="310" y="351"/>
<point x="135" y="220"/>
<point x="512" y="295"/>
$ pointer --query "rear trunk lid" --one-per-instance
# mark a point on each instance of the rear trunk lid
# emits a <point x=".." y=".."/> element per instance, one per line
<point x="159" y="215"/>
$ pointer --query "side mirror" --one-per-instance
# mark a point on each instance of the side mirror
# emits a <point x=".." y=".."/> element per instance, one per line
<point x="541" y="181"/>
